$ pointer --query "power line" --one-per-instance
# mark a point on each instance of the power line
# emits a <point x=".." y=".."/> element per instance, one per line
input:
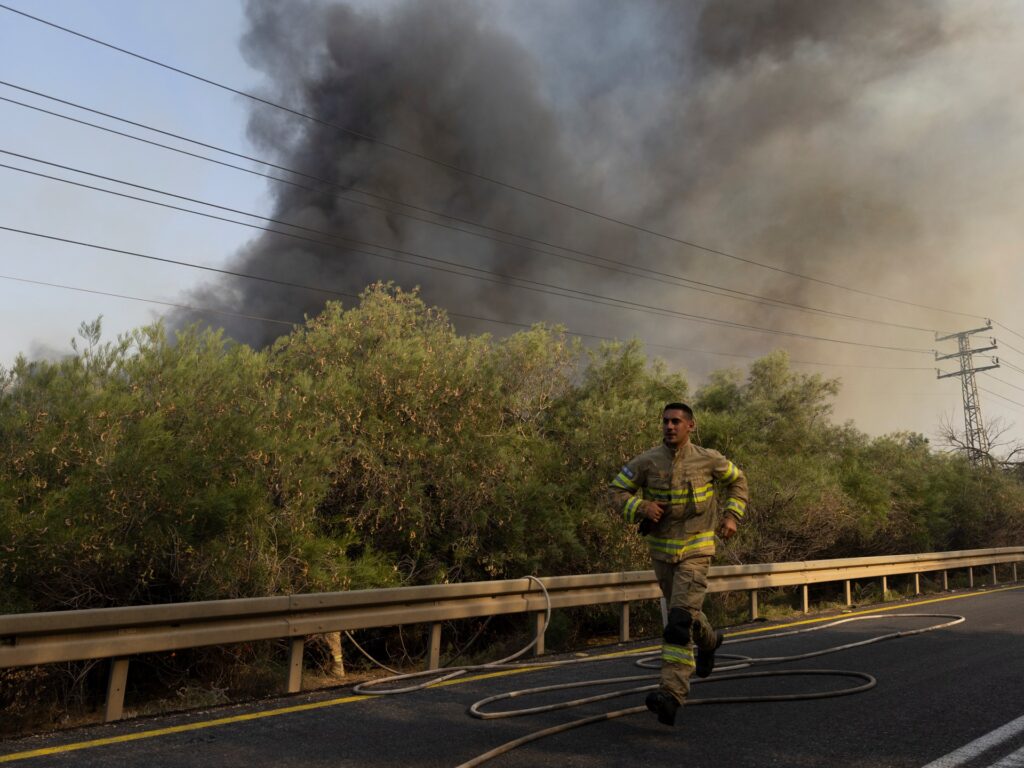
<point x="475" y="174"/>
<point x="888" y="393"/>
<point x="1015" y="333"/>
<point x="1007" y="345"/>
<point x="345" y="294"/>
<point x="1010" y="365"/>
<point x="996" y="394"/>
<point x="609" y="264"/>
<point x="532" y="285"/>
<point x="179" y="263"/>
<point x="173" y="304"/>
<point x="1008" y="384"/>
<point x="868" y="367"/>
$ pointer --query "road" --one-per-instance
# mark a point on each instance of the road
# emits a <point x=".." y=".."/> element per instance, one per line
<point x="936" y="694"/>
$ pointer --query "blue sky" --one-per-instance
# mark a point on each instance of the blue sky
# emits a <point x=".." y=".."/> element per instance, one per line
<point x="198" y="35"/>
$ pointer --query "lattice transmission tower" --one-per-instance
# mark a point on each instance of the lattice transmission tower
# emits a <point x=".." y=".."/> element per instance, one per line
<point x="975" y="437"/>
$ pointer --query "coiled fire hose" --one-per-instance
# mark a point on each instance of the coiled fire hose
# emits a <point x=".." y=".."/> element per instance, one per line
<point x="649" y="660"/>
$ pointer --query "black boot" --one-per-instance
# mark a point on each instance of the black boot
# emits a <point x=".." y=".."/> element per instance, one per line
<point x="664" y="705"/>
<point x="706" y="659"/>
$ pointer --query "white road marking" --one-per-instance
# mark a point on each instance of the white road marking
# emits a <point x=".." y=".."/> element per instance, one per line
<point x="968" y="752"/>
<point x="1014" y="760"/>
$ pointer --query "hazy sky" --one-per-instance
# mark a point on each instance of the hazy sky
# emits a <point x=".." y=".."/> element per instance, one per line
<point x="876" y="145"/>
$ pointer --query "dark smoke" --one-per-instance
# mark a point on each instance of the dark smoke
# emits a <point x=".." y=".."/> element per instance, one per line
<point x="435" y="78"/>
<point x="763" y="127"/>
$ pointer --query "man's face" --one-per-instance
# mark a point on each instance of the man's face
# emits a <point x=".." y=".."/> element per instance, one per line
<point x="676" y="426"/>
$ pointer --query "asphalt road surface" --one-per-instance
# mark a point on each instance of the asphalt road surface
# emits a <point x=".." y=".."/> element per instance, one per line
<point x="953" y="697"/>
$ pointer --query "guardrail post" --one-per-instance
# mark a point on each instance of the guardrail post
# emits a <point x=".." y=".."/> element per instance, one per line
<point x="116" y="682"/>
<point x="970" y="577"/>
<point x="539" y="617"/>
<point x="917" y="583"/>
<point x="624" y="623"/>
<point x="806" y="601"/>
<point x="295" y="649"/>
<point x="945" y="581"/>
<point x="885" y="586"/>
<point x="434" y="647"/>
<point x="753" y="604"/>
<point x="1014" y="571"/>
<point x="995" y="580"/>
<point x="849" y="602"/>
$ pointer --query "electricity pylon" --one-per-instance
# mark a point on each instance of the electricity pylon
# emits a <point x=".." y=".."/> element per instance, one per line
<point x="975" y="437"/>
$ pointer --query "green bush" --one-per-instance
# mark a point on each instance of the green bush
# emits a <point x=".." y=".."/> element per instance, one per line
<point x="374" y="445"/>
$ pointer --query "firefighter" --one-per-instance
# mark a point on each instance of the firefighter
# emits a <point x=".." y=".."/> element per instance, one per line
<point x="669" y="490"/>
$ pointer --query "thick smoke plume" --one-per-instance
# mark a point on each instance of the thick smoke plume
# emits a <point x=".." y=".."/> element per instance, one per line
<point x="848" y="140"/>
<point x="436" y="79"/>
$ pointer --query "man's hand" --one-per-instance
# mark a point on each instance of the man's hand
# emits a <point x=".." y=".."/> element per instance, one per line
<point x="727" y="529"/>
<point x="653" y="511"/>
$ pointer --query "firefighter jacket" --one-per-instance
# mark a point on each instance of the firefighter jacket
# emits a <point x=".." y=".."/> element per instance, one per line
<point x="682" y="481"/>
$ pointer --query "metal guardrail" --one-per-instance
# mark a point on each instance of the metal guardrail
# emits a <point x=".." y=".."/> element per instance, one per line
<point x="118" y="633"/>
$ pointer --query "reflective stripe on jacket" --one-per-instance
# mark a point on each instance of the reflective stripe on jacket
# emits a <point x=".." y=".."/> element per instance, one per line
<point x="683" y="483"/>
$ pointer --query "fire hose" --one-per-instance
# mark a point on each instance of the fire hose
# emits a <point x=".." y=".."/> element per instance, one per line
<point x="648" y="660"/>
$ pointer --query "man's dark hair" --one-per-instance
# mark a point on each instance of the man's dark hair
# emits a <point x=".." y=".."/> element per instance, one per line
<point x="679" y="407"/>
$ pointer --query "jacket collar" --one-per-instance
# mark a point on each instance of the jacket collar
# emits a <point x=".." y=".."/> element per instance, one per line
<point x="681" y="453"/>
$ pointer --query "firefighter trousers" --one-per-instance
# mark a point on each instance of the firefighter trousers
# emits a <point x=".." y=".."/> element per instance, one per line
<point x="683" y="584"/>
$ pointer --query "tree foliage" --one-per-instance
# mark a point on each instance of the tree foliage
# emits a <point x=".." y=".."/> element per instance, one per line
<point x="824" y="490"/>
<point x="374" y="445"/>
